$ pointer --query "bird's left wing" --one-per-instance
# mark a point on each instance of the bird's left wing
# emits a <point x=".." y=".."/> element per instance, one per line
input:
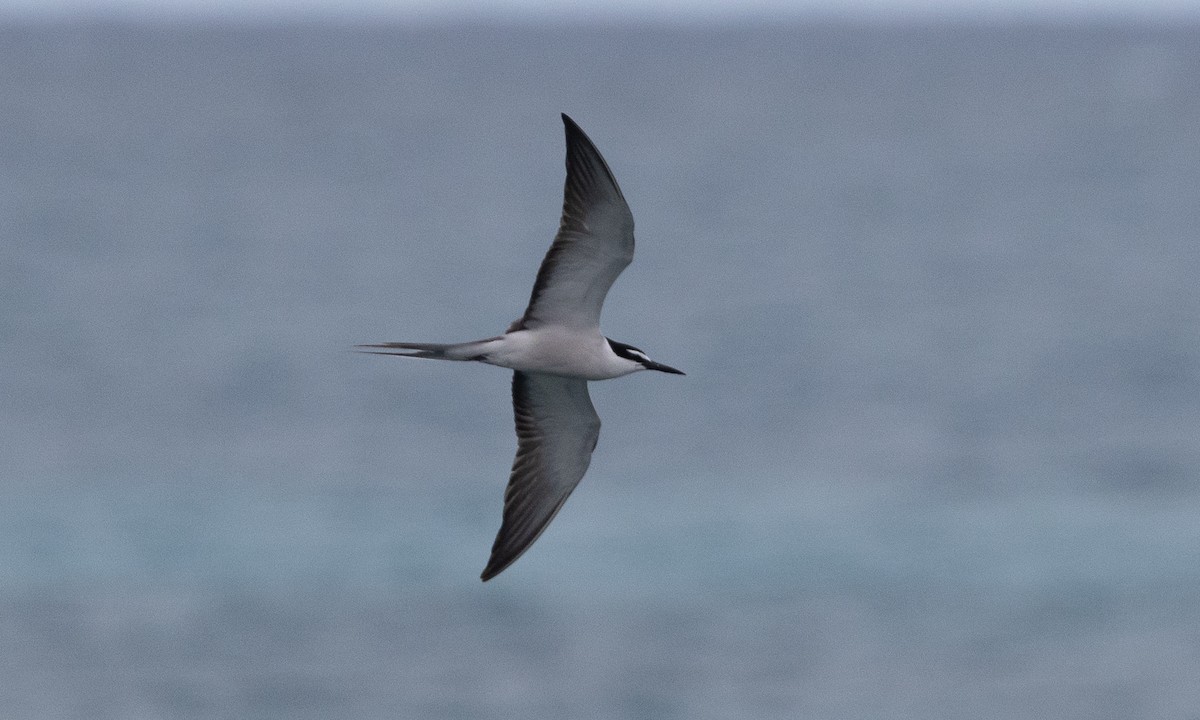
<point x="557" y="429"/>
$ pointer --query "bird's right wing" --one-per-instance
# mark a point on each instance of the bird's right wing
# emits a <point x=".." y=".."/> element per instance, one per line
<point x="594" y="242"/>
<point x="557" y="429"/>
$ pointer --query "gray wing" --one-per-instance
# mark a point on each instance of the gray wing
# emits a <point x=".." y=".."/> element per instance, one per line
<point x="557" y="429"/>
<point x="594" y="242"/>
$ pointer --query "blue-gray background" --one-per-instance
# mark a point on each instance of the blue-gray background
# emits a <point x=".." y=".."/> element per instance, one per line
<point x="935" y="288"/>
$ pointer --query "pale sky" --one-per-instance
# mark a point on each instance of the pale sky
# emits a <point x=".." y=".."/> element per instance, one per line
<point x="684" y="10"/>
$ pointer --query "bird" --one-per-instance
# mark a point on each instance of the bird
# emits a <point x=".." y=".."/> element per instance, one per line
<point x="555" y="349"/>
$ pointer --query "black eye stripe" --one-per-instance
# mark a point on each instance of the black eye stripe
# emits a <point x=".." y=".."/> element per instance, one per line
<point x="628" y="352"/>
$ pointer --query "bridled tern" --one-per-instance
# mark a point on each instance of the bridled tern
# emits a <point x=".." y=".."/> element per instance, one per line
<point x="555" y="348"/>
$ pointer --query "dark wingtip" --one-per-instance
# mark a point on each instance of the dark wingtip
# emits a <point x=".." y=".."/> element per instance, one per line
<point x="495" y="565"/>
<point x="572" y="127"/>
<point x="502" y="555"/>
<point x="494" y="568"/>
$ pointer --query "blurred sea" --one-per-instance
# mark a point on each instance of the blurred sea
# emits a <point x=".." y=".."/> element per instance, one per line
<point x="935" y="287"/>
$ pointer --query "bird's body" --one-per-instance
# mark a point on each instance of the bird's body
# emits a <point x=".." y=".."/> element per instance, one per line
<point x="555" y="348"/>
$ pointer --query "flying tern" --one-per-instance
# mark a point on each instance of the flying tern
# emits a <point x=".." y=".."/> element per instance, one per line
<point x="554" y="349"/>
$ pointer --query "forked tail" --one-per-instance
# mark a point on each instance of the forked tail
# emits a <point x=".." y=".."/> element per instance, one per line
<point x="476" y="350"/>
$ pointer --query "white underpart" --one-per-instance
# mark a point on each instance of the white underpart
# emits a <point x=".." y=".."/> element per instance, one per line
<point x="558" y="350"/>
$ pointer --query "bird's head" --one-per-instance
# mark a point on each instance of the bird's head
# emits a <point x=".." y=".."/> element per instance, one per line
<point x="635" y="355"/>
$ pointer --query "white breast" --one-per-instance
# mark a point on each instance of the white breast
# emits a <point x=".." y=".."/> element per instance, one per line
<point x="559" y="351"/>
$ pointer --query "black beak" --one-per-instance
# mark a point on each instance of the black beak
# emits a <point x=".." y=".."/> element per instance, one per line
<point x="651" y="365"/>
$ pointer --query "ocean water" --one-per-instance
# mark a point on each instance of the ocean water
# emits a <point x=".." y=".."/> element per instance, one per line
<point x="935" y="287"/>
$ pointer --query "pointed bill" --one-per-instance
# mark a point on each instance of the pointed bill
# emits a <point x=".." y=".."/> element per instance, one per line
<point x="557" y="429"/>
<point x="594" y="242"/>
